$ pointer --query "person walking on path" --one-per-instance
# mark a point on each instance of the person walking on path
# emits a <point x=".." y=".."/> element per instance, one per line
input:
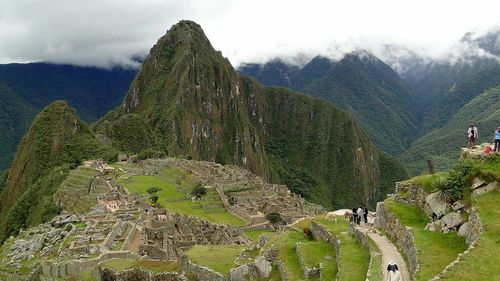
<point x="473" y="134"/>
<point x="393" y="272"/>
<point x="365" y="214"/>
<point x="497" y="140"/>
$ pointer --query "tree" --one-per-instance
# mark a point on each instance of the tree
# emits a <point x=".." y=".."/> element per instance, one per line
<point x="274" y="218"/>
<point x="154" y="199"/>
<point x="198" y="191"/>
<point x="153" y="189"/>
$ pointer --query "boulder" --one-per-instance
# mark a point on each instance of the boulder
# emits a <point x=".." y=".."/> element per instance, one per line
<point x="485" y="189"/>
<point x="437" y="205"/>
<point x="433" y="225"/>
<point x="465" y="229"/>
<point x="239" y="273"/>
<point x="451" y="221"/>
<point x="263" y="267"/>
<point x="457" y="205"/>
<point x="477" y="183"/>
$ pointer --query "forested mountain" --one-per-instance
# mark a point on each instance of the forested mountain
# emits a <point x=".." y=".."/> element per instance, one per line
<point x="400" y="111"/>
<point x="188" y="100"/>
<point x="56" y="141"/>
<point x="25" y="89"/>
<point x="359" y="83"/>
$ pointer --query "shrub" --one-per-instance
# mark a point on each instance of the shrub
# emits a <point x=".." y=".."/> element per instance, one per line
<point x="153" y="189"/>
<point x="274" y="218"/>
<point x="198" y="191"/>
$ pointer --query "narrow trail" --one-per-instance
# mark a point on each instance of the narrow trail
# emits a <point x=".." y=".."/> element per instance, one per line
<point x="388" y="251"/>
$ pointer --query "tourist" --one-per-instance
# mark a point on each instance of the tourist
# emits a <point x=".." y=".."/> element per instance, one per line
<point x="354" y="215"/>
<point x="473" y="135"/>
<point x="394" y="274"/>
<point x="497" y="140"/>
<point x="359" y="212"/>
<point x="365" y="213"/>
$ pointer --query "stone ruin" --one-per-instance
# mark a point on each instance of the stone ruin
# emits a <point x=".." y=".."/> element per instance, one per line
<point x="241" y="191"/>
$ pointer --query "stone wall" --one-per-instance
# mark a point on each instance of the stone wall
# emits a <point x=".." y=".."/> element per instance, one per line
<point x="366" y="241"/>
<point x="281" y="269"/>
<point x="309" y="272"/>
<point x="410" y="193"/>
<point x="320" y="233"/>
<point x="200" y="272"/>
<point x="107" y="274"/>
<point x="402" y="236"/>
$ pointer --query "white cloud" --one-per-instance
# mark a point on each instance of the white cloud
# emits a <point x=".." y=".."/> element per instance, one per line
<point x="107" y="32"/>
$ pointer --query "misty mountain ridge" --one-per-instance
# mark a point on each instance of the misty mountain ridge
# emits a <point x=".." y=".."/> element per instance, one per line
<point x="415" y="95"/>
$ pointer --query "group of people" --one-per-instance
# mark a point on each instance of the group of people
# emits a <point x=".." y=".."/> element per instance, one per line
<point x="358" y="213"/>
<point x="393" y="273"/>
<point x="473" y="135"/>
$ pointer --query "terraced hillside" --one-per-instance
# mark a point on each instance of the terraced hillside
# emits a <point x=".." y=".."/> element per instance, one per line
<point x="451" y="221"/>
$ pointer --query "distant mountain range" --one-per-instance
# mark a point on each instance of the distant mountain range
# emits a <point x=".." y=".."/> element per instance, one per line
<point x="407" y="112"/>
<point x="25" y="89"/>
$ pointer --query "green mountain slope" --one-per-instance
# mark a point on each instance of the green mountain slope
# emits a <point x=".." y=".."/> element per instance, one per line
<point x="195" y="104"/>
<point x="442" y="145"/>
<point x="56" y="141"/>
<point x="360" y="84"/>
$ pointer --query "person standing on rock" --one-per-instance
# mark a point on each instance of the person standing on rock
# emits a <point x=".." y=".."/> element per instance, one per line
<point x="473" y="135"/>
<point x="497" y="140"/>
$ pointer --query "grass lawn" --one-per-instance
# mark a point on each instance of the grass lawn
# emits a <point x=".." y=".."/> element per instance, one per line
<point x="177" y="201"/>
<point x="316" y="252"/>
<point x="482" y="263"/>
<point x="426" y="181"/>
<point x="354" y="257"/>
<point x="288" y="253"/>
<point x="150" y="265"/>
<point x="436" y="250"/>
<point x="255" y="233"/>
<point x="220" y="258"/>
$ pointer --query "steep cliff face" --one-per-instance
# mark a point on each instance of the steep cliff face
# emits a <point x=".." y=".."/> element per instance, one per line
<point x="196" y="104"/>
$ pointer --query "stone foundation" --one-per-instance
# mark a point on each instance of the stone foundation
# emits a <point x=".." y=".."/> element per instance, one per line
<point x="201" y="272"/>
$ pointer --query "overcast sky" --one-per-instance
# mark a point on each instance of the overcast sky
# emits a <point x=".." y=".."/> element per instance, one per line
<point x="108" y="32"/>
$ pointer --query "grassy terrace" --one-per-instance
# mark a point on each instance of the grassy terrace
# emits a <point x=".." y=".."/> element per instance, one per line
<point x="436" y="250"/>
<point x="175" y="198"/>
<point x="220" y="258"/>
<point x="255" y="233"/>
<point x="354" y="257"/>
<point x="482" y="262"/>
<point x="149" y="265"/>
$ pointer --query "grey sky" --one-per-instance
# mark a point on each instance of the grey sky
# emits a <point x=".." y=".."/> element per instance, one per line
<point x="107" y="32"/>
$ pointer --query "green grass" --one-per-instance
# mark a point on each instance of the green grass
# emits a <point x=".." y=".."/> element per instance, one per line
<point x="436" y="250"/>
<point x="354" y="257"/>
<point x="288" y="253"/>
<point x="482" y="262"/>
<point x="376" y="269"/>
<point x="427" y="181"/>
<point x="254" y="234"/>
<point x="149" y="265"/>
<point x="220" y="258"/>
<point x="316" y="252"/>
<point x="173" y="199"/>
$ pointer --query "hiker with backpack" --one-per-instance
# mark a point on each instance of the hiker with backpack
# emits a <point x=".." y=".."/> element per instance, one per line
<point x="497" y="140"/>
<point x="393" y="273"/>
<point x="473" y="134"/>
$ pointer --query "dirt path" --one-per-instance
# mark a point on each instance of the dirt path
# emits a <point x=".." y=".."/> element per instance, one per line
<point x="388" y="251"/>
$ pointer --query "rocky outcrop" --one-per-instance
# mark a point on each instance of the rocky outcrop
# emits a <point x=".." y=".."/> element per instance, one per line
<point x="437" y="205"/>
<point x="411" y="193"/>
<point x="401" y="235"/>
